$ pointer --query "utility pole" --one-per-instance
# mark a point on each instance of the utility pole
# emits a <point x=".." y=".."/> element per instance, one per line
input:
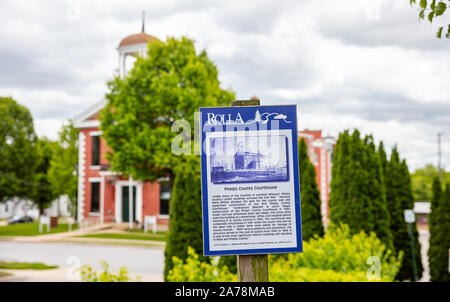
<point x="410" y="219"/>
<point x="439" y="155"/>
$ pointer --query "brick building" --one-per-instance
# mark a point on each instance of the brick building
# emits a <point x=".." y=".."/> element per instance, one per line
<point x="320" y="152"/>
<point x="104" y="195"/>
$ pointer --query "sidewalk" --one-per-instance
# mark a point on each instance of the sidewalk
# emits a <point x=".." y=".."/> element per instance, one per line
<point x="58" y="236"/>
<point x="72" y="237"/>
<point x="61" y="274"/>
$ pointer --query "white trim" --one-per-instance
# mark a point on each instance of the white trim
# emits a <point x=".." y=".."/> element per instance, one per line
<point x="163" y="216"/>
<point x="318" y="143"/>
<point x="94" y="213"/>
<point x="163" y="179"/>
<point x="87" y="124"/>
<point x="81" y="174"/>
<point x="96" y="167"/>
<point x="80" y="121"/>
<point x="118" y="199"/>
<point x="102" y="199"/>
<point x="117" y="203"/>
<point x="139" y="202"/>
<point x="95" y="133"/>
<point x="132" y="49"/>
<point x="95" y="179"/>
<point x="109" y="173"/>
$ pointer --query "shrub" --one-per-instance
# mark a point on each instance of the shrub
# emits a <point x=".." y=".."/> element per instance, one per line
<point x="185" y="215"/>
<point x="194" y="270"/>
<point x="279" y="273"/>
<point x="337" y="257"/>
<point x="341" y="251"/>
<point x="89" y="275"/>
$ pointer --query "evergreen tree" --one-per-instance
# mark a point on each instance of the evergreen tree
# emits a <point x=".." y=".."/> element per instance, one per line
<point x="399" y="197"/>
<point x="358" y="197"/>
<point x="309" y="195"/>
<point x="376" y="191"/>
<point x="309" y="199"/>
<point x="410" y="205"/>
<point x="185" y="214"/>
<point x="439" y="225"/>
<point x="383" y="159"/>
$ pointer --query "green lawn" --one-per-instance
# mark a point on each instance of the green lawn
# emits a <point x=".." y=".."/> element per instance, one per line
<point x="25" y="265"/>
<point x="156" y="237"/>
<point x="32" y="229"/>
<point x="4" y="274"/>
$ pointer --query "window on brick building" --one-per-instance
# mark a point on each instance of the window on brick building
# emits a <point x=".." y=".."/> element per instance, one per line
<point x="95" y="151"/>
<point x="95" y="196"/>
<point x="164" y="198"/>
<point x="316" y="158"/>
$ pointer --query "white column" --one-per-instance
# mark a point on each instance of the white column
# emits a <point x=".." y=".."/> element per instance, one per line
<point x="124" y="65"/>
<point x="102" y="199"/>
<point x="130" y="202"/>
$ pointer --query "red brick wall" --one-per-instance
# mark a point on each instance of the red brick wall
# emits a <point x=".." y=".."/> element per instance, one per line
<point x="88" y="171"/>
<point x="109" y="202"/>
<point x="150" y="191"/>
<point x="150" y="202"/>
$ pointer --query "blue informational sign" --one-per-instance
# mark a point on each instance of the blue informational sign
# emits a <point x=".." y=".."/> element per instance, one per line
<point x="250" y="180"/>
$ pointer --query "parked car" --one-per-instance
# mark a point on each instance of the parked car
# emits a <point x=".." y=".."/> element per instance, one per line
<point x="20" y="219"/>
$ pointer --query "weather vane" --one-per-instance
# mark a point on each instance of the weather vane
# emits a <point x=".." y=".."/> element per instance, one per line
<point x="143" y="21"/>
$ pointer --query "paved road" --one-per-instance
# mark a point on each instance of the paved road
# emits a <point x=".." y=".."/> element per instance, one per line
<point x="424" y="238"/>
<point x="144" y="261"/>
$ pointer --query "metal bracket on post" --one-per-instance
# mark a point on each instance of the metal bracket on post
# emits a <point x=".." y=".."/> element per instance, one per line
<point x="251" y="268"/>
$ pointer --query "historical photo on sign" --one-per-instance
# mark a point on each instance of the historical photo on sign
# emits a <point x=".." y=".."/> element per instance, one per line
<point x="242" y="159"/>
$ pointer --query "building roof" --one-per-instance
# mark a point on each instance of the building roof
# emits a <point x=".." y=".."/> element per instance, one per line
<point x="139" y="38"/>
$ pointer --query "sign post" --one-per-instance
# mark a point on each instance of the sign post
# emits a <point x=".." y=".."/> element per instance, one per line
<point x="44" y="220"/>
<point x="410" y="218"/>
<point x="251" y="268"/>
<point x="250" y="184"/>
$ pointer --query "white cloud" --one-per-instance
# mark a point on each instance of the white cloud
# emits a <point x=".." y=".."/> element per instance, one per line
<point x="346" y="64"/>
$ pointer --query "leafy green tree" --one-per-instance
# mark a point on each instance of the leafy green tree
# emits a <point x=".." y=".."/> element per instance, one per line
<point x="432" y="9"/>
<point x="185" y="215"/>
<point x="422" y="181"/>
<point x="17" y="149"/>
<point x="170" y="84"/>
<point x="358" y="196"/>
<point x="439" y="225"/>
<point x="399" y="197"/>
<point x="62" y="173"/>
<point x="42" y="193"/>
<point x="309" y="195"/>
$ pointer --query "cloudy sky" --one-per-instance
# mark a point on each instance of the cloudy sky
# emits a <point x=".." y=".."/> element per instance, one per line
<point x="347" y="64"/>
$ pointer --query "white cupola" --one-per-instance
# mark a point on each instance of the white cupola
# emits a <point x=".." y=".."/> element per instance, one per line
<point x="133" y="45"/>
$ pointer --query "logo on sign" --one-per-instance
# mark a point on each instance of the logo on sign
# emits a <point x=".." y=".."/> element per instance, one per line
<point x="229" y="119"/>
